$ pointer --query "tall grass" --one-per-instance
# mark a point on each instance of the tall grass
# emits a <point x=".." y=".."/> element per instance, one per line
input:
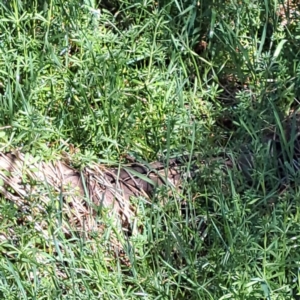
<point x="153" y="80"/>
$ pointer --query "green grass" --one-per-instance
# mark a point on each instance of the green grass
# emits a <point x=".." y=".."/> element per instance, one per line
<point x="125" y="77"/>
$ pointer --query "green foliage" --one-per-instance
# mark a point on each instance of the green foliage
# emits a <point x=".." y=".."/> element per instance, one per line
<point x="154" y="80"/>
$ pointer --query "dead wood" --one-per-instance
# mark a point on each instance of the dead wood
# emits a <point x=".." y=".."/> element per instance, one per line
<point x="32" y="184"/>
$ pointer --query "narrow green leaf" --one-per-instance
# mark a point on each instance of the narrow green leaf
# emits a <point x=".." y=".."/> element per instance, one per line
<point x="139" y="175"/>
<point x="279" y="48"/>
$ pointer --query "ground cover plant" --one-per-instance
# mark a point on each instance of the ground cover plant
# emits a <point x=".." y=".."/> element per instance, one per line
<point x="200" y="97"/>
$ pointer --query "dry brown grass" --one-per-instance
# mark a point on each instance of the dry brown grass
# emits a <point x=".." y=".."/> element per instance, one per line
<point x="32" y="184"/>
